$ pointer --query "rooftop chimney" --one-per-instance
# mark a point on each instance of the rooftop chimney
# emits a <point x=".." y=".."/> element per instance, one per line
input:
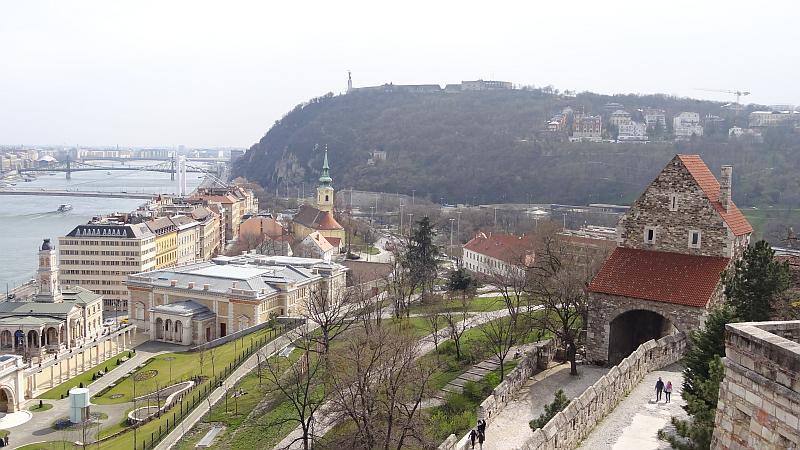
<point x="191" y="285"/>
<point x="173" y="283"/>
<point x="206" y="286"/>
<point x="725" y="187"/>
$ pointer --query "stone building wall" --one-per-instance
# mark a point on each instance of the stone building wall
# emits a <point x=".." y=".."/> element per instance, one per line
<point x="570" y="426"/>
<point x="759" y="398"/>
<point x="604" y="308"/>
<point x="693" y="211"/>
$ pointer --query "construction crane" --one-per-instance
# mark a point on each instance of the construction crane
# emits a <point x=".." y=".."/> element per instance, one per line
<point x="738" y="94"/>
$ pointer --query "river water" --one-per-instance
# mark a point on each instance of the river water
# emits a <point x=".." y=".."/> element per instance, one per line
<point x="26" y="220"/>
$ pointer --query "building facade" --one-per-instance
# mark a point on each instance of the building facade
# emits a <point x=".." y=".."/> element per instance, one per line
<point x="489" y="254"/>
<point x="320" y="217"/>
<point x="100" y="255"/>
<point x="166" y="233"/>
<point x="675" y="241"/>
<point x="587" y="128"/>
<point x="686" y="125"/>
<point x="197" y="303"/>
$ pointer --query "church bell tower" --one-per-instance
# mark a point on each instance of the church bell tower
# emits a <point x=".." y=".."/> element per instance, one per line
<point x="325" y="188"/>
<point x="47" y="275"/>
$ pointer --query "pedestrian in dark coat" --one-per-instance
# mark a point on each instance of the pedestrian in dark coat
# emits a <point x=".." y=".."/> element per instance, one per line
<point x="481" y="426"/>
<point x="472" y="436"/>
<point x="481" y="438"/>
<point x="659" y="388"/>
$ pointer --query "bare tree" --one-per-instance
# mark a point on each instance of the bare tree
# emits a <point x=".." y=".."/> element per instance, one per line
<point x="436" y="320"/>
<point x="301" y="384"/>
<point x="456" y="320"/>
<point x="400" y="286"/>
<point x="201" y="356"/>
<point x="500" y="336"/>
<point x="559" y="280"/>
<point x="331" y="311"/>
<point x="377" y="381"/>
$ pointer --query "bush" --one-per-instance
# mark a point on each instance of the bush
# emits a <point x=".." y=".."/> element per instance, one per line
<point x="456" y="404"/>
<point x="560" y="402"/>
<point x="443" y="424"/>
<point x="476" y="392"/>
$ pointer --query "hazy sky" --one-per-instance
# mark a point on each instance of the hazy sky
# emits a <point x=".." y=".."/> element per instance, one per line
<point x="220" y="73"/>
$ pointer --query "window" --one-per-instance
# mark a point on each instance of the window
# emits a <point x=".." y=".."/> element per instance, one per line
<point x="673" y="202"/>
<point x="694" y="239"/>
<point x="649" y="235"/>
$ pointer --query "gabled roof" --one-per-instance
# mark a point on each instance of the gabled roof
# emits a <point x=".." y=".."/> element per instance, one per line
<point x="505" y="247"/>
<point x="313" y="218"/>
<point x="665" y="277"/>
<point x="710" y="186"/>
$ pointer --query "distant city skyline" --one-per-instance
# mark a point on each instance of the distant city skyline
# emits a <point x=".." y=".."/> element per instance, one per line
<point x="205" y="74"/>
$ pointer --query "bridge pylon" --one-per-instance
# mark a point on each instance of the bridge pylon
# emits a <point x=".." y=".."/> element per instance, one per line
<point x="69" y="169"/>
<point x="172" y="168"/>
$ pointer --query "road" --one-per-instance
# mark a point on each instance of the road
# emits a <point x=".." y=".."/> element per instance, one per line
<point x="57" y="193"/>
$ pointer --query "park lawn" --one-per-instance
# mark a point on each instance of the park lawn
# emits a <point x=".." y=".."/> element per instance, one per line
<point x="458" y="413"/>
<point x="765" y="219"/>
<point x="35" y="407"/>
<point x="85" y="378"/>
<point x="241" y="430"/>
<point x="417" y="326"/>
<point x="183" y="366"/>
<point x="473" y="349"/>
<point x="55" y="445"/>
<point x="475" y="304"/>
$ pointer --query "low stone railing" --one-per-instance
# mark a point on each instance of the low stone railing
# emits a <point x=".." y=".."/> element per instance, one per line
<point x="534" y="361"/>
<point x="570" y="426"/>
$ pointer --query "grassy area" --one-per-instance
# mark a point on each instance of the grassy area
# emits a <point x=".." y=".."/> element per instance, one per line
<point x="771" y="220"/>
<point x="171" y="368"/>
<point x="458" y="414"/>
<point x="36" y="408"/>
<point x="85" y="378"/>
<point x="55" y="445"/>
<point x="475" y="304"/>
<point x="243" y="431"/>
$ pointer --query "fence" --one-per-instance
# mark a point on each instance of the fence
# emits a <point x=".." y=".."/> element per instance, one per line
<point x="171" y="418"/>
<point x="292" y="322"/>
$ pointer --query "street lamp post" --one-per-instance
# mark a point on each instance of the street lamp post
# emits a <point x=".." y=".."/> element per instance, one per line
<point x="451" y="236"/>
<point x="412" y="195"/>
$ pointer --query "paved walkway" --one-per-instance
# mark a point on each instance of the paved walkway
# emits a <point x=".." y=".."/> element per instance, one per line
<point x="634" y="423"/>
<point x="39" y="428"/>
<point x="479" y="371"/>
<point x="510" y="429"/>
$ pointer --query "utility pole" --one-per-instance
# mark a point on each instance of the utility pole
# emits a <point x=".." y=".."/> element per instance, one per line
<point x="495" y="216"/>
<point x="401" y="217"/>
<point x="412" y="196"/>
<point x="451" y="237"/>
<point x="410" y="224"/>
<point x="458" y="227"/>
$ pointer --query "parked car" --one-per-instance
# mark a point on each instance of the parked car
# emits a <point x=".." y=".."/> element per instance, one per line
<point x="111" y="323"/>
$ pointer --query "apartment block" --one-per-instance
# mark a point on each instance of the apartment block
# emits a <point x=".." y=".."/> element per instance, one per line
<point x="100" y="255"/>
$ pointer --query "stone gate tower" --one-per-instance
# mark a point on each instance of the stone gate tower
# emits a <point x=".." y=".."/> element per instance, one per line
<point x="675" y="241"/>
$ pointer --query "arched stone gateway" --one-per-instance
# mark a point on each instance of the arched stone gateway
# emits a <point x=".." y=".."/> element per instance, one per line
<point x="6" y="400"/>
<point x="631" y="329"/>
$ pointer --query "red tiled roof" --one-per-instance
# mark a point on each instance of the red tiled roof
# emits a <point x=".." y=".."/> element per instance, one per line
<point x="334" y="241"/>
<point x="327" y="222"/>
<point x="660" y="276"/>
<point x="505" y="247"/>
<point x="709" y="184"/>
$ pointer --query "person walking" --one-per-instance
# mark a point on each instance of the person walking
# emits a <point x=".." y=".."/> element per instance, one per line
<point x="481" y="438"/>
<point x="472" y="436"/>
<point x="659" y="388"/>
<point x="668" y="390"/>
<point x="481" y="426"/>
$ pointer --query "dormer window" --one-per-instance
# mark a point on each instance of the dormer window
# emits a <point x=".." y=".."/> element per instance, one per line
<point x="649" y="235"/>
<point x="694" y="239"/>
<point x="673" y="202"/>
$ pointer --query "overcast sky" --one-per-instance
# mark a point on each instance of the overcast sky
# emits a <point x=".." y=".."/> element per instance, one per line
<point x="205" y="74"/>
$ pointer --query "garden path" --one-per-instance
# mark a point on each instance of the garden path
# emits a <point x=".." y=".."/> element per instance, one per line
<point x="510" y="429"/>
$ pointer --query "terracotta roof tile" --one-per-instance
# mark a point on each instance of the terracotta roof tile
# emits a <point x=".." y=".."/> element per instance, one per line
<point x="327" y="222"/>
<point x="505" y="247"/>
<point x="660" y="276"/>
<point x="709" y="184"/>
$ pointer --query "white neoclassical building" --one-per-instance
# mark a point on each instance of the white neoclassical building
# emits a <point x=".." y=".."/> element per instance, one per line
<point x="53" y="320"/>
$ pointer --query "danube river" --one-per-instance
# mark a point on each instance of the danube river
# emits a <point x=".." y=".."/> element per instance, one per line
<point x="26" y="220"/>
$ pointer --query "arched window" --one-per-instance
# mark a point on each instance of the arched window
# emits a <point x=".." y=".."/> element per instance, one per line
<point x="326" y="197"/>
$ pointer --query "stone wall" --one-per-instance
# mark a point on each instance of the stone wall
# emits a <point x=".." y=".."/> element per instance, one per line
<point x="693" y="211"/>
<point x="570" y="426"/>
<point x="759" y="398"/>
<point x="603" y="309"/>
<point x="534" y="361"/>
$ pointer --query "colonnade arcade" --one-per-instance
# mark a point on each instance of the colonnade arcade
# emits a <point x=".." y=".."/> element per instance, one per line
<point x="23" y="336"/>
